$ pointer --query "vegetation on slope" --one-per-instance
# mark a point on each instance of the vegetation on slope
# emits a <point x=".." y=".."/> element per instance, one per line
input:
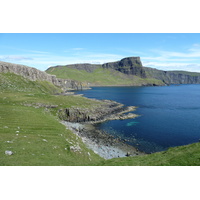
<point x="32" y="131"/>
<point x="188" y="155"/>
<point x="101" y="76"/>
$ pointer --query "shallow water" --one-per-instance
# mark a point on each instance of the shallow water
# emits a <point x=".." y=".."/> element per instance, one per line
<point x="169" y="115"/>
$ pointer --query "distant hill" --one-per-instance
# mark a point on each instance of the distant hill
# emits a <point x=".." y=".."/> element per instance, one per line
<point x="127" y="71"/>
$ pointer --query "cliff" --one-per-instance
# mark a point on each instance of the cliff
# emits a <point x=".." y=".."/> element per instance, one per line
<point x="129" y="66"/>
<point x="35" y="74"/>
<point x="173" y="77"/>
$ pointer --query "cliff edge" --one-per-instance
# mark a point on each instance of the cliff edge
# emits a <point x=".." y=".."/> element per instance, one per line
<point x="34" y="74"/>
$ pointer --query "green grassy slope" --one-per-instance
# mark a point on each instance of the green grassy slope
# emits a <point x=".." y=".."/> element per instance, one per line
<point x="101" y="76"/>
<point x="36" y="137"/>
<point x="34" y="134"/>
<point x="188" y="155"/>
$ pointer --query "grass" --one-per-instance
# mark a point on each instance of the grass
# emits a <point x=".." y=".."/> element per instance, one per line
<point x="35" y="135"/>
<point x="188" y="155"/>
<point x="101" y="76"/>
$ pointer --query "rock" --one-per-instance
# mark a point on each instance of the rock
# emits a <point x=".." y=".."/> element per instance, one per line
<point x="110" y="110"/>
<point x="129" y="65"/>
<point x="128" y="154"/>
<point x="7" y="152"/>
<point x="34" y="74"/>
<point x="75" y="148"/>
<point x="173" y="77"/>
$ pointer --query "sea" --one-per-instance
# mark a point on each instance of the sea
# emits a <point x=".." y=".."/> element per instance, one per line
<point x="169" y="116"/>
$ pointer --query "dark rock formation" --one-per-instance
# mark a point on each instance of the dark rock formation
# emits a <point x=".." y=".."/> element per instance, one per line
<point x="90" y="114"/>
<point x="35" y="74"/>
<point x="109" y="110"/>
<point x="130" y="66"/>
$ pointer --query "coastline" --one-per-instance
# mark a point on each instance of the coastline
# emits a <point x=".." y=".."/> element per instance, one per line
<point x="102" y="143"/>
<point x="81" y="121"/>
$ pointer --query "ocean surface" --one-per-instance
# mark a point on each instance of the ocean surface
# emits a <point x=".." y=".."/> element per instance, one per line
<point x="169" y="115"/>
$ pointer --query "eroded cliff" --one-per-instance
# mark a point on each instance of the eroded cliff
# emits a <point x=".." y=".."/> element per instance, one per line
<point x="35" y="74"/>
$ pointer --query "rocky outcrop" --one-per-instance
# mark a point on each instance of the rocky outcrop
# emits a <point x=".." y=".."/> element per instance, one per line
<point x="109" y="110"/>
<point x="35" y="74"/>
<point x="129" y="66"/>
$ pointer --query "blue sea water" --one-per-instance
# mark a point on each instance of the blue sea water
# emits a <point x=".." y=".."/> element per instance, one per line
<point x="169" y="115"/>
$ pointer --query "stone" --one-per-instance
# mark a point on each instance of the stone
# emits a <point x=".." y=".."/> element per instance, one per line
<point x="7" y="152"/>
<point x="128" y="154"/>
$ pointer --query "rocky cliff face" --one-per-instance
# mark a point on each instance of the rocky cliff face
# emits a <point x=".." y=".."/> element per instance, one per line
<point x="105" y="110"/>
<point x="130" y="66"/>
<point x="35" y="74"/>
<point x="173" y="77"/>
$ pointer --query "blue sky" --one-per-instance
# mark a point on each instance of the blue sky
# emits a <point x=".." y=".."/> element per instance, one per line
<point x="165" y="51"/>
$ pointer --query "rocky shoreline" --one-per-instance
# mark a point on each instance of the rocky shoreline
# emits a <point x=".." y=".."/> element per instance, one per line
<point x="102" y="143"/>
<point x="103" y="111"/>
<point x="82" y="123"/>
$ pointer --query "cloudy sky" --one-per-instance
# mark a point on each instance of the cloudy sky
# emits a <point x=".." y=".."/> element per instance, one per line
<point x="165" y="51"/>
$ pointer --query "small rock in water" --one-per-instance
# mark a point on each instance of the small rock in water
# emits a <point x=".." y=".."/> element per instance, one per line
<point x="7" y="152"/>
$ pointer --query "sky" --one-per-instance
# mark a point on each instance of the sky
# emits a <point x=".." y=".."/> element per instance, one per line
<point x="165" y="51"/>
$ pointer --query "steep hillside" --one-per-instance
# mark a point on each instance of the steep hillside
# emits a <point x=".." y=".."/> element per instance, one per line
<point x="129" y="66"/>
<point x="37" y="75"/>
<point x="173" y="77"/>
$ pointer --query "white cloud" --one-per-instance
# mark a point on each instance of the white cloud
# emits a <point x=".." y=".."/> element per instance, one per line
<point x="187" y="60"/>
<point x="14" y="58"/>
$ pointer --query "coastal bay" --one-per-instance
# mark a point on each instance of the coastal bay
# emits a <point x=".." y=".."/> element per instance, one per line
<point x="168" y="115"/>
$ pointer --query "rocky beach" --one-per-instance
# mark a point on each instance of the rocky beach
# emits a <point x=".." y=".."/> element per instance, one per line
<point x="102" y="143"/>
<point x="82" y="123"/>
